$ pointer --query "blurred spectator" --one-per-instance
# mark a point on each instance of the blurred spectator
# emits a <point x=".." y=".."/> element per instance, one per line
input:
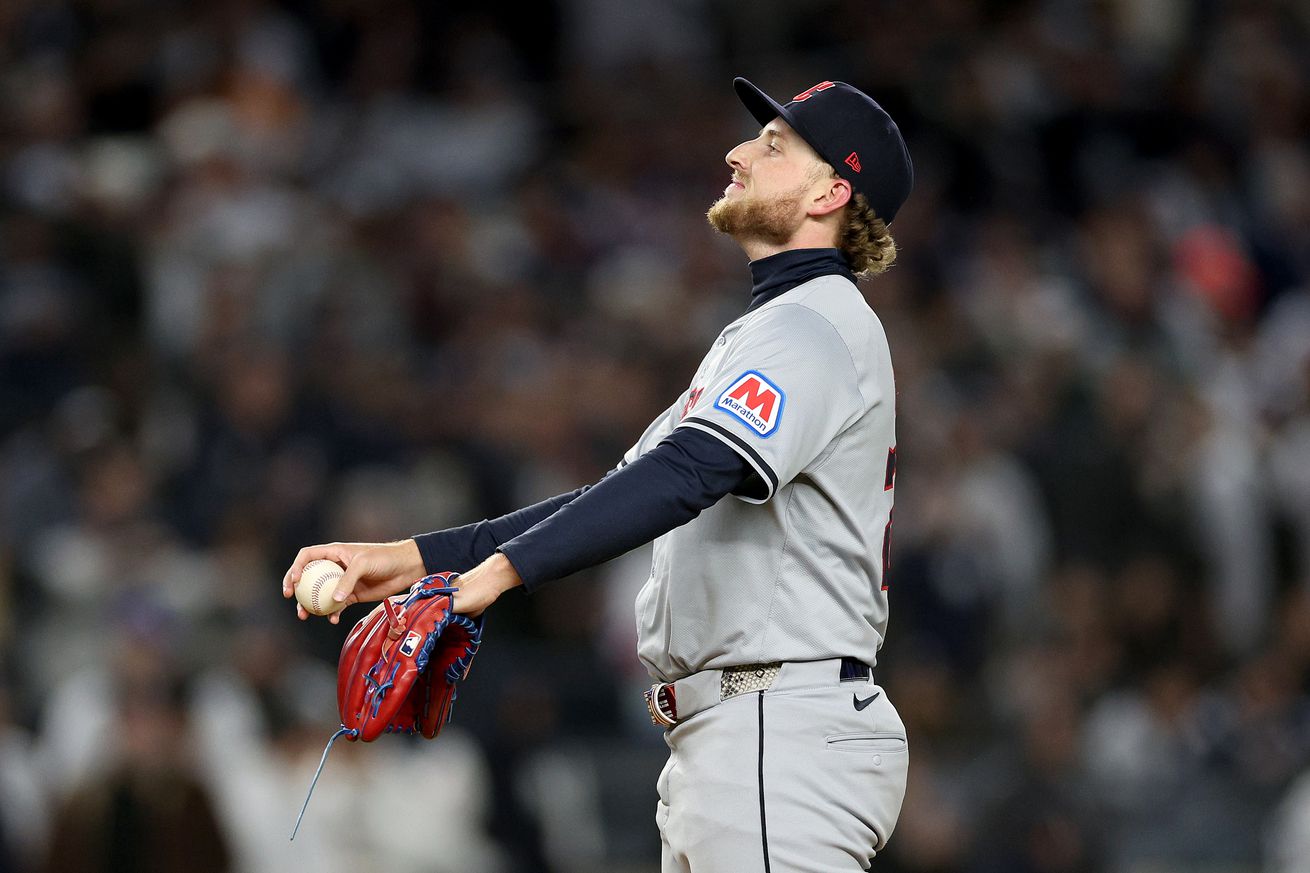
<point x="24" y="816"/>
<point x="144" y="808"/>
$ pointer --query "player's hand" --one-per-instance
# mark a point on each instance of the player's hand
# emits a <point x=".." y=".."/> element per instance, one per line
<point x="479" y="587"/>
<point x="372" y="571"/>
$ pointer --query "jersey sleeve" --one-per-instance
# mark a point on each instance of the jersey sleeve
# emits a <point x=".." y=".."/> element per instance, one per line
<point x="656" y="431"/>
<point x="784" y="389"/>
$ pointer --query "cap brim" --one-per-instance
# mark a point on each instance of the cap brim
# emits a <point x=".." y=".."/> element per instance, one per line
<point x="765" y="109"/>
<point x="757" y="103"/>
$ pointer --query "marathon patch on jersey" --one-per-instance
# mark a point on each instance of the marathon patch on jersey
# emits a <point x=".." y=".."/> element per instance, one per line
<point x="755" y="400"/>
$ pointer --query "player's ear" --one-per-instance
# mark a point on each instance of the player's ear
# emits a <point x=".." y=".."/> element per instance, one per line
<point x="832" y="194"/>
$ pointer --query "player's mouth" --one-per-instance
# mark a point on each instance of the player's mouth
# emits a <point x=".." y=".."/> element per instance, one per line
<point x="734" y="185"/>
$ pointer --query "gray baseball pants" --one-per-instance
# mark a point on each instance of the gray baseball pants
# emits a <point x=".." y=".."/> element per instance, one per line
<point x="805" y="777"/>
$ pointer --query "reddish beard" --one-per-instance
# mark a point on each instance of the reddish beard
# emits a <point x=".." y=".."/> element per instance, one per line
<point x="772" y="221"/>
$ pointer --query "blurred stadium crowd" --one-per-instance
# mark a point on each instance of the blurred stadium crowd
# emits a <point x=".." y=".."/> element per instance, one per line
<point x="276" y="273"/>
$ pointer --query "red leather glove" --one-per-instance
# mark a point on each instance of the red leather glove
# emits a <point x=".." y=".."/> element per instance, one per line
<point x="401" y="664"/>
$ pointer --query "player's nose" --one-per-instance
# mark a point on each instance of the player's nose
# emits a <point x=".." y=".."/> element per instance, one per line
<point x="737" y="156"/>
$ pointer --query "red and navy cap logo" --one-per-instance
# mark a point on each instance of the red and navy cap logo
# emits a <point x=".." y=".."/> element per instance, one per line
<point x="755" y="400"/>
<point x="810" y="92"/>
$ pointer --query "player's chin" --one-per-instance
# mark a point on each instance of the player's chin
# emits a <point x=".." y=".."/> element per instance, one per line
<point x="722" y="214"/>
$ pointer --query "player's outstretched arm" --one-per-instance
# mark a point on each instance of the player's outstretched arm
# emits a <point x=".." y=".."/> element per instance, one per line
<point x="666" y="487"/>
<point x="372" y="571"/>
<point x="463" y="548"/>
<point x="377" y="570"/>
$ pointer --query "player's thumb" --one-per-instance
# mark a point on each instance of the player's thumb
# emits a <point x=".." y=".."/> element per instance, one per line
<point x="345" y="592"/>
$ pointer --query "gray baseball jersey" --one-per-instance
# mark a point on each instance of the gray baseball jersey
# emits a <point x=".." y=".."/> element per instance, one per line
<point x="802" y="389"/>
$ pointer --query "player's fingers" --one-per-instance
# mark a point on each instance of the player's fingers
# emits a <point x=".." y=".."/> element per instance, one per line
<point x="301" y="613"/>
<point x="292" y="576"/>
<point x="335" y="617"/>
<point x="288" y="581"/>
<point x="346" y="587"/>
<point x="339" y="552"/>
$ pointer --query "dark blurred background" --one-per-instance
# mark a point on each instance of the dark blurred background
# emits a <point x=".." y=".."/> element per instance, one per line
<point x="278" y="273"/>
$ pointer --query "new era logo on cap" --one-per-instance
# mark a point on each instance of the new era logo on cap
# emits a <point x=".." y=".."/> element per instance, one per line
<point x="850" y="131"/>
<point x="755" y="400"/>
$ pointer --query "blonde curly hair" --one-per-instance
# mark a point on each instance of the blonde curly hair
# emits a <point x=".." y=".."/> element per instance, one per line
<point x="864" y="238"/>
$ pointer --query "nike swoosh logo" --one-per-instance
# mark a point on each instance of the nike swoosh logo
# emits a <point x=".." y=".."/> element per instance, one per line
<point x="860" y="704"/>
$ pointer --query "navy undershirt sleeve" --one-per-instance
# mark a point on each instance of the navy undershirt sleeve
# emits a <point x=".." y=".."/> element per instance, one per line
<point x="688" y="472"/>
<point x="463" y="548"/>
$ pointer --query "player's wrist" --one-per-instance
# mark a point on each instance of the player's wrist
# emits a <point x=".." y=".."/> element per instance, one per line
<point x="483" y="585"/>
<point x="502" y="575"/>
<point x="411" y="559"/>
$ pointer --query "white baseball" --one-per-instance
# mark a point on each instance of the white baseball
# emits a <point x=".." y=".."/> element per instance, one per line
<point x="317" y="582"/>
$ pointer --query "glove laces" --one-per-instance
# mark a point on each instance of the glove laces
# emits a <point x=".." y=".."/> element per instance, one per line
<point x="344" y="731"/>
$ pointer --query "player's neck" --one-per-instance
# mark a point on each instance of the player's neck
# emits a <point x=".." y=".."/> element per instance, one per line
<point x="807" y="236"/>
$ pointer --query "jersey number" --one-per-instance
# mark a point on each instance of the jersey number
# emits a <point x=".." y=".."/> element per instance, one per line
<point x="888" y="484"/>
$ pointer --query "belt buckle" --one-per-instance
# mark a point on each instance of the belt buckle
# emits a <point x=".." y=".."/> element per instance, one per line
<point x="747" y="678"/>
<point x="663" y="705"/>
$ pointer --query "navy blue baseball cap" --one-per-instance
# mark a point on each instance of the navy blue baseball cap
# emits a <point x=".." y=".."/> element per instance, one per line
<point x="850" y="131"/>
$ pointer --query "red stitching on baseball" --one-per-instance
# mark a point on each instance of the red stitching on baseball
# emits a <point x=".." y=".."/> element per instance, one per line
<point x="313" y="594"/>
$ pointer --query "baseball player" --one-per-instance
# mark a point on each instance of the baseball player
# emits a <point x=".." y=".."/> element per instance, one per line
<point x="767" y="488"/>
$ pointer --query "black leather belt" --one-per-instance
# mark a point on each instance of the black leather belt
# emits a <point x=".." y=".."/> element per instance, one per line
<point x="853" y="668"/>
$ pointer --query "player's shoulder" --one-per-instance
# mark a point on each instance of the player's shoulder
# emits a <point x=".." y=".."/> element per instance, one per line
<point x="833" y="299"/>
